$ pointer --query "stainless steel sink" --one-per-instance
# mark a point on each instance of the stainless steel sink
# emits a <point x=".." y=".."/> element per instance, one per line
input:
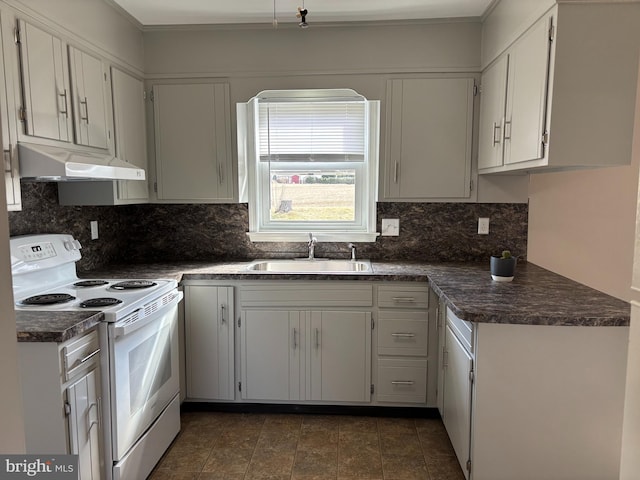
<point x="317" y="265"/>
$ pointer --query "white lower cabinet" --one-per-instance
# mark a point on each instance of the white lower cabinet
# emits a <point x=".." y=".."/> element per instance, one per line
<point x="62" y="400"/>
<point x="271" y="358"/>
<point x="306" y="355"/>
<point x="403" y="344"/>
<point x="306" y="341"/>
<point x="456" y="403"/>
<point x="209" y="342"/>
<point x="534" y="402"/>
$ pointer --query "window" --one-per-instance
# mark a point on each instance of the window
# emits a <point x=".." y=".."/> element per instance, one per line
<point x="309" y="163"/>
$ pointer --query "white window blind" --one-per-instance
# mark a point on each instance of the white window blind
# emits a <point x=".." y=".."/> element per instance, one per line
<point x="312" y="131"/>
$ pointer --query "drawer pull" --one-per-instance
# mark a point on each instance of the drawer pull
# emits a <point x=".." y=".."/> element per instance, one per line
<point x="402" y="382"/>
<point x="404" y="299"/>
<point x="80" y="361"/>
<point x="403" y="335"/>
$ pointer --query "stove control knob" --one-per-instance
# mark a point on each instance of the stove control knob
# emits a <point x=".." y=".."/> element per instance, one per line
<point x="77" y="245"/>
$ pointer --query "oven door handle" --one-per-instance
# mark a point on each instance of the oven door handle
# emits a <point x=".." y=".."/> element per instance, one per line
<point x="131" y="324"/>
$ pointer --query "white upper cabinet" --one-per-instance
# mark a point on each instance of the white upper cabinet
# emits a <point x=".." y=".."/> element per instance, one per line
<point x="47" y="106"/>
<point x="429" y="139"/>
<point x="8" y="124"/>
<point x="561" y="95"/>
<point x="65" y="90"/>
<point x="89" y="86"/>
<point x="492" y="109"/>
<point x="514" y="101"/>
<point x="193" y="153"/>
<point x="128" y="99"/>
<point x="130" y="130"/>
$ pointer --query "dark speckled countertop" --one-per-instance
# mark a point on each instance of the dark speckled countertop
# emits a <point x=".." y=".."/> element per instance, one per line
<point x="535" y="297"/>
<point x="58" y="326"/>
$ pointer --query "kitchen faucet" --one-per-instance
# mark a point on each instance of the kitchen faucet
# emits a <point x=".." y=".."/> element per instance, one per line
<point x="312" y="245"/>
<point x="353" y="252"/>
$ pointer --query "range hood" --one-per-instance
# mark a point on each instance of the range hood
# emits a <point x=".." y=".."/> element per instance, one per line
<point x="56" y="164"/>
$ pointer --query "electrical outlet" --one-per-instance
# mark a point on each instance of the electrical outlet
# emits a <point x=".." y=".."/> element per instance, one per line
<point x="94" y="229"/>
<point x="390" y="227"/>
<point x="483" y="226"/>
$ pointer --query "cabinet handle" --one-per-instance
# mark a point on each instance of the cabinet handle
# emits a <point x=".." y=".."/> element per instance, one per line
<point x="64" y="111"/>
<point x="91" y="423"/>
<point x="403" y="335"/>
<point x="317" y="338"/>
<point x="222" y="310"/>
<point x="395" y="172"/>
<point x="220" y="175"/>
<point x="82" y="360"/>
<point x="402" y="382"/>
<point x="404" y="299"/>
<point x="295" y="338"/>
<point x="7" y="160"/>
<point x="86" y="110"/>
<point x="507" y="136"/>
<point x="497" y="127"/>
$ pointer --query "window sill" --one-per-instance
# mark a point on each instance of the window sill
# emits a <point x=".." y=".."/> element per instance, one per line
<point x="321" y="236"/>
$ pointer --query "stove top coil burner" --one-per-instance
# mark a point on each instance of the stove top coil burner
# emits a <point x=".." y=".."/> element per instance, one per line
<point x="100" y="302"/>
<point x="133" y="284"/>
<point x="90" y="283"/>
<point x="48" y="299"/>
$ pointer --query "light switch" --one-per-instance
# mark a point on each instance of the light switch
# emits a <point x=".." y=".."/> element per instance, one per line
<point x="94" y="229"/>
<point x="483" y="226"/>
<point x="390" y="227"/>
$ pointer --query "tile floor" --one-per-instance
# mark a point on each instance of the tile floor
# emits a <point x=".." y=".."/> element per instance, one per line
<point x="235" y="446"/>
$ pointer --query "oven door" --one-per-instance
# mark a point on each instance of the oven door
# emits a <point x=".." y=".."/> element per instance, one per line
<point x="144" y="373"/>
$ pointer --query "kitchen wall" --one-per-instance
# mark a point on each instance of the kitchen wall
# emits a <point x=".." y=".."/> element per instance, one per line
<point x="582" y="223"/>
<point x="156" y="233"/>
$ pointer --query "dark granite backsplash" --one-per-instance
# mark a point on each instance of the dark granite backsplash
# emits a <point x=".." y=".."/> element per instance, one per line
<point x="429" y="232"/>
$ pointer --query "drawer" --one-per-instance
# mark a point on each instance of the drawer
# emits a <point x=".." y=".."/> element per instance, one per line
<point x="402" y="380"/>
<point x="311" y="294"/>
<point x="403" y="296"/>
<point x="402" y="333"/>
<point x="79" y="354"/>
<point x="462" y="329"/>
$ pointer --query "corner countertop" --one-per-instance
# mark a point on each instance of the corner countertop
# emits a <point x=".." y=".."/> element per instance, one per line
<point x="57" y="327"/>
<point x="535" y="297"/>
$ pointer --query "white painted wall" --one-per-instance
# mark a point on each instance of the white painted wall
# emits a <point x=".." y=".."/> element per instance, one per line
<point x="630" y="460"/>
<point x="582" y="224"/>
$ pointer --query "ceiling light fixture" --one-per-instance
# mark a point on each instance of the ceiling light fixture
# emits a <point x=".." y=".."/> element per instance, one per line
<point x="302" y="15"/>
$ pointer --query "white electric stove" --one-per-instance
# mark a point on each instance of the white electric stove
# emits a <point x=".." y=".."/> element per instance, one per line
<point x="138" y="342"/>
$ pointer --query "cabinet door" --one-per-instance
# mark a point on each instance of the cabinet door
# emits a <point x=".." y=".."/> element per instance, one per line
<point x="8" y="124"/>
<point x="339" y="346"/>
<point x="193" y="142"/>
<point x="209" y="329"/>
<point x="271" y="342"/>
<point x="130" y="130"/>
<point x="45" y="80"/>
<point x="83" y="399"/>
<point x="89" y="83"/>
<point x="492" y="110"/>
<point x="456" y="414"/>
<point x="430" y="136"/>
<point x="527" y="95"/>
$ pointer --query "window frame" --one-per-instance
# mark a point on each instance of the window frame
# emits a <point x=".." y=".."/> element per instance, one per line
<point x="255" y="181"/>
